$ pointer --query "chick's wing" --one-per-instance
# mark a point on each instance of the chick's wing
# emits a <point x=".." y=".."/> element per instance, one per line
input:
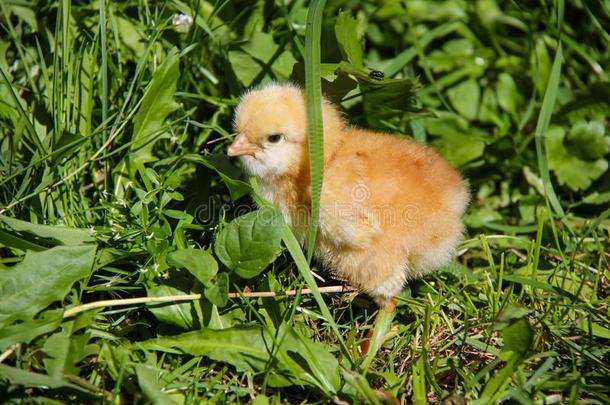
<point x="346" y="218"/>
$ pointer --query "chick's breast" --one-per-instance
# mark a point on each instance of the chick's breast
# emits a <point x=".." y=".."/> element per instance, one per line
<point x="390" y="210"/>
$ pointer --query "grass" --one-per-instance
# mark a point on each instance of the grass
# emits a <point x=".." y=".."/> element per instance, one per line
<point x="114" y="186"/>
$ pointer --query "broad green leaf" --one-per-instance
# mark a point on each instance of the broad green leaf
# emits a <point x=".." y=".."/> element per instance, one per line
<point x="518" y="337"/>
<point x="570" y="170"/>
<point x="261" y="47"/>
<point x="308" y="360"/>
<point x="261" y="400"/>
<point x="25" y="332"/>
<point x="511" y="312"/>
<point x="130" y="36"/>
<point x="157" y="103"/>
<point x="457" y="142"/>
<point x="588" y="140"/>
<point x="460" y="149"/>
<point x="509" y="96"/>
<point x="251" y="242"/>
<point x="198" y="262"/>
<point x="249" y="348"/>
<point x="349" y="32"/>
<point x="242" y="346"/>
<point x="28" y="15"/>
<point x="213" y="319"/>
<point x="12" y="240"/>
<point x="454" y="53"/>
<point x="217" y="290"/>
<point x="593" y="103"/>
<point x="106" y="256"/>
<point x="334" y="87"/>
<point x="465" y="98"/>
<point x="488" y="110"/>
<point x="16" y="376"/>
<point x="179" y="314"/>
<point x="488" y="12"/>
<point x="62" y="234"/>
<point x="40" y="279"/>
<point x="283" y="66"/>
<point x="384" y="97"/>
<point x="255" y="55"/>
<point x="244" y="66"/>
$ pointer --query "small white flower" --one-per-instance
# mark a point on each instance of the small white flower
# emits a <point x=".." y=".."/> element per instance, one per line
<point x="92" y="230"/>
<point x="173" y="138"/>
<point x="142" y="270"/>
<point x="182" y="22"/>
<point x="155" y="267"/>
<point x="479" y="61"/>
<point x="116" y="236"/>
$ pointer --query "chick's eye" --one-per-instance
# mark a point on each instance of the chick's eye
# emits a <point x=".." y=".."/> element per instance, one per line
<point x="274" y="138"/>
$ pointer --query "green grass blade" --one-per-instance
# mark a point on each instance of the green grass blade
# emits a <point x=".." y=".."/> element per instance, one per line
<point x="544" y="118"/>
<point x="315" y="128"/>
<point x="104" y="74"/>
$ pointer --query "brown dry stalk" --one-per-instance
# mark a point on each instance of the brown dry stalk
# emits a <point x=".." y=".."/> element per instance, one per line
<point x="192" y="297"/>
<point x="183" y="297"/>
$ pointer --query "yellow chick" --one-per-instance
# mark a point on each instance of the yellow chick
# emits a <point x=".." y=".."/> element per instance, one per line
<point x="390" y="208"/>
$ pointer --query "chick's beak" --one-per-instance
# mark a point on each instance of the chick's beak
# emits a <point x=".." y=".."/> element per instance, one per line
<point x="242" y="146"/>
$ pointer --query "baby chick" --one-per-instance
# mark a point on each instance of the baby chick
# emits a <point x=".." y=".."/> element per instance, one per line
<point x="390" y="208"/>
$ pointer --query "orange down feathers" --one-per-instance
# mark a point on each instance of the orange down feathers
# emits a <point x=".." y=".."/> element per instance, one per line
<point x="390" y="208"/>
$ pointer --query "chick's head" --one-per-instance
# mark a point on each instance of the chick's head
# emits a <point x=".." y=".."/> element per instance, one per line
<point x="271" y="128"/>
